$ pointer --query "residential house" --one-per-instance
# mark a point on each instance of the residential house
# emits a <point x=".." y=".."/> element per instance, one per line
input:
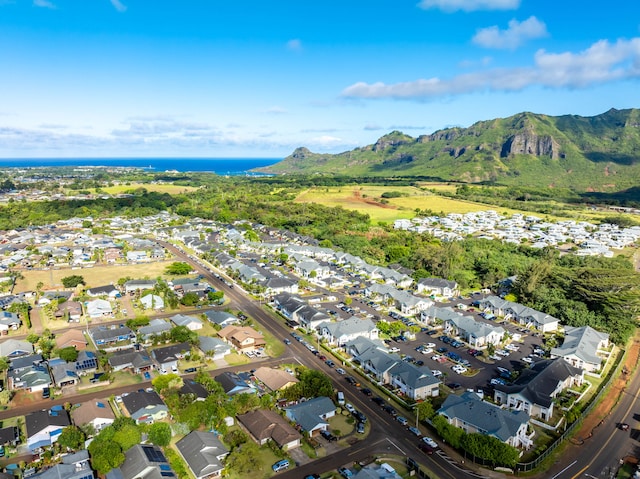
<point x="190" y="322"/>
<point x="536" y="387"/>
<point x="474" y="415"/>
<point x="377" y="471"/>
<point x="221" y="318"/>
<point x="264" y="425"/>
<point x="412" y="381"/>
<point x="44" y="427"/>
<point x="434" y="313"/>
<point x="152" y="301"/>
<point x="145" y="406"/>
<point x="137" y="256"/>
<point x="275" y="286"/>
<point x="167" y="357"/>
<point x="243" y="338"/>
<point x="274" y="379"/>
<point x="136" y="360"/>
<point x="97" y="413"/>
<point x="312" y="415"/>
<point x="309" y="317"/>
<point x="102" y="336"/>
<point x="63" y="373"/>
<point x="9" y="322"/>
<point x="341" y="332"/>
<point x="69" y="310"/>
<point x="86" y="362"/>
<point x="109" y="291"/>
<point x="214" y="348"/>
<point x="154" y="329"/>
<point x="25" y="362"/>
<point x="438" y="287"/>
<point x="136" y="285"/>
<point x="32" y="379"/>
<point x="233" y="384"/>
<point x="582" y="347"/>
<point x="99" y="308"/>
<point x="143" y="461"/>
<point x="71" y="466"/>
<point x="14" y="348"/>
<point x="71" y="338"/>
<point x="10" y="436"/>
<point x="204" y="454"/>
<point x="195" y="389"/>
<point x="476" y="333"/>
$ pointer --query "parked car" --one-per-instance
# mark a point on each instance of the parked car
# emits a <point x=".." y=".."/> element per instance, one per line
<point x="340" y="371"/>
<point x="190" y="370"/>
<point x="330" y="363"/>
<point x="430" y="442"/>
<point x="351" y="380"/>
<point x="390" y="410"/>
<point x="527" y="360"/>
<point x="378" y="400"/>
<point x="360" y="428"/>
<point x="328" y="436"/>
<point x="425" y="448"/>
<point x="349" y="407"/>
<point x="280" y="465"/>
<point x="402" y="420"/>
<point x="414" y="430"/>
<point x="345" y="472"/>
<point x="367" y="392"/>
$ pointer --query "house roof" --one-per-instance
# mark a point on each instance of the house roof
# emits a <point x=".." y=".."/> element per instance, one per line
<point x="184" y="320"/>
<point x="537" y="383"/>
<point x="144" y="461"/>
<point x="137" y="359"/>
<point x="155" y="326"/>
<point x="221" y="317"/>
<point x="274" y="379"/>
<point x="69" y="337"/>
<point x="437" y="283"/>
<point x="413" y="376"/>
<point x="266" y="424"/>
<point x="138" y="400"/>
<point x="9" y="434"/>
<point x="203" y="452"/>
<point x="309" y="414"/>
<point x="475" y="328"/>
<point x="90" y="410"/>
<point x="191" y="387"/>
<point x="241" y="334"/>
<point x="171" y="353"/>
<point x="349" y="327"/>
<point x="109" y="334"/>
<point x="208" y="344"/>
<point x="233" y="384"/>
<point x="100" y="290"/>
<point x="15" y="345"/>
<point x="39" y="420"/>
<point x="73" y="466"/>
<point x="485" y="417"/>
<point x="582" y="342"/>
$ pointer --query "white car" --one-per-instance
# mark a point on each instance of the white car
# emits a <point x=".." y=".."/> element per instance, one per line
<point x="349" y="407"/>
<point x="340" y="371"/>
<point x="527" y="360"/>
<point x="394" y="350"/>
<point x="436" y="357"/>
<point x="430" y="442"/>
<point x="427" y="351"/>
<point x="436" y="373"/>
<point x="430" y="345"/>
<point x="495" y="357"/>
<point x="459" y="369"/>
<point x="512" y="347"/>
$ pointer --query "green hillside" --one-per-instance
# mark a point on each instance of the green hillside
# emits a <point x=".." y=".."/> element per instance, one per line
<point x="599" y="153"/>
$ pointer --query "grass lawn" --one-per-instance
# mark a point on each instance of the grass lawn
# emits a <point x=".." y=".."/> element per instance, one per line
<point x="93" y="277"/>
<point x="366" y="199"/>
<point x="159" y="188"/>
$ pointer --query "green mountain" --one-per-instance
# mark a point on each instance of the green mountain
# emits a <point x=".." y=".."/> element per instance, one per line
<point x="599" y="153"/>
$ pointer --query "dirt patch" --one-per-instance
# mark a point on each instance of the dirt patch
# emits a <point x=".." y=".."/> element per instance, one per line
<point x="357" y="197"/>
<point x="618" y="386"/>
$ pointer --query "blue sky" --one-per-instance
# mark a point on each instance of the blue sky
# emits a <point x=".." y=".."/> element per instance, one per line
<point x="249" y="78"/>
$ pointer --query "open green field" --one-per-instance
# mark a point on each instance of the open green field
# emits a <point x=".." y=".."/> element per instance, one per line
<point x="158" y="188"/>
<point x="366" y="199"/>
<point x="93" y="277"/>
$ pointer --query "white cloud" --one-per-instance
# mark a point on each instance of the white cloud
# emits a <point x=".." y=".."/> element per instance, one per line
<point x="372" y="127"/>
<point x="294" y="45"/>
<point x="469" y="5"/>
<point x="43" y="4"/>
<point x="602" y="62"/>
<point x="325" y="141"/>
<point x="276" y="110"/>
<point x="118" y="5"/>
<point x="512" y="37"/>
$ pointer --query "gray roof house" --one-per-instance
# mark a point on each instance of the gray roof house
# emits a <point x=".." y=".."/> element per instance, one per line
<point x="102" y="336"/>
<point x="145" y="406"/>
<point x="44" y="427"/>
<point x="138" y="361"/>
<point x="190" y="322"/>
<point x="530" y="317"/>
<point x="413" y="381"/>
<point x="143" y="461"/>
<point x="312" y="415"/>
<point x="34" y="378"/>
<point x="64" y="374"/>
<point x="309" y="317"/>
<point x="25" y="362"/>
<point x="474" y="415"/>
<point x="204" y="454"/>
<point x="130" y="287"/>
<point x="234" y="384"/>
<point x="213" y="347"/>
<point x="155" y="327"/>
<point x="580" y="347"/>
<point x="537" y="386"/>
<point x="13" y="348"/>
<point x="432" y="313"/>
<point x="222" y="318"/>
<point x="168" y="356"/>
<point x="72" y="466"/>
<point x="476" y="333"/>
<point x="341" y="332"/>
<point x="438" y="286"/>
<point x="379" y="363"/>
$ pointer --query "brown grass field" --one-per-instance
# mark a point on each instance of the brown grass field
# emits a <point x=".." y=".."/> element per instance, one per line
<point x="366" y="199"/>
<point x="96" y="276"/>
<point x="158" y="188"/>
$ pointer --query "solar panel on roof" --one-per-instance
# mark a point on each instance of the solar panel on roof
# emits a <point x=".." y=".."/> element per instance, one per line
<point x="153" y="455"/>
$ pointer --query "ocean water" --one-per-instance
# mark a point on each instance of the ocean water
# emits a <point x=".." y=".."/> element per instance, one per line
<point x="221" y="166"/>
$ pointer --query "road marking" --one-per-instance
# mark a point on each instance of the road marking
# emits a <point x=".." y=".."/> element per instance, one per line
<point x="570" y="465"/>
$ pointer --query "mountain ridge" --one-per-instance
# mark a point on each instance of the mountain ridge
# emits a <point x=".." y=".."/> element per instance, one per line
<point x="598" y="153"/>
